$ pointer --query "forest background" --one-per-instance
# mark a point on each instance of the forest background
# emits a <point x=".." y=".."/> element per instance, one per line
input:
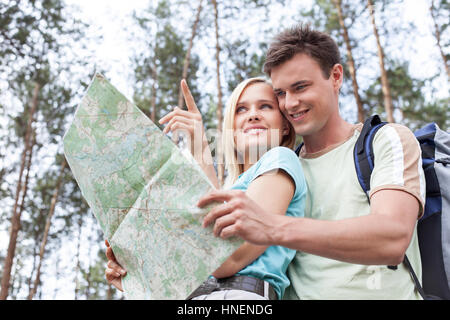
<point x="395" y="55"/>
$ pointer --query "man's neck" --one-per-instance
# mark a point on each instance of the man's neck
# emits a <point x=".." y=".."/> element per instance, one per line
<point x="333" y="133"/>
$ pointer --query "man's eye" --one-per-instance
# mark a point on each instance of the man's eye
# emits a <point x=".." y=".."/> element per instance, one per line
<point x="279" y="93"/>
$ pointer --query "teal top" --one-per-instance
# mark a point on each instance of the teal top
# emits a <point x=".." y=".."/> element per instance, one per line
<point x="271" y="266"/>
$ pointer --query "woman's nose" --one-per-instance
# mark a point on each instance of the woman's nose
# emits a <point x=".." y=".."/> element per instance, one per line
<point x="254" y="115"/>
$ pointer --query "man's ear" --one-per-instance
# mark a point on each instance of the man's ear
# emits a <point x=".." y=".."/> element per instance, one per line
<point x="337" y="76"/>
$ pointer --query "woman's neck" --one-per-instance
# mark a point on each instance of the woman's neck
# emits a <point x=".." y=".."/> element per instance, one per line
<point x="250" y="158"/>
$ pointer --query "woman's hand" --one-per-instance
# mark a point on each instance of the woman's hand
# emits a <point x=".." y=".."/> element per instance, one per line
<point x="189" y="121"/>
<point x="114" y="271"/>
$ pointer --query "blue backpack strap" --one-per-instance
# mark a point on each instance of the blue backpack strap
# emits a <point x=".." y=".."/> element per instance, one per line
<point x="364" y="157"/>
<point x="297" y="151"/>
<point x="364" y="164"/>
<point x="426" y="136"/>
<point x="363" y="152"/>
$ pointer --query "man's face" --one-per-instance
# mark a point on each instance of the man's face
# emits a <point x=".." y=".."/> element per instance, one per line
<point x="304" y="95"/>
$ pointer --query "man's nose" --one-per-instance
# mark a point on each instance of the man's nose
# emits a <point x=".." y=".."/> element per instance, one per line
<point x="290" y="101"/>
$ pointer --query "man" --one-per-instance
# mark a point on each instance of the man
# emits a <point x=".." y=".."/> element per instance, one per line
<point x="344" y="242"/>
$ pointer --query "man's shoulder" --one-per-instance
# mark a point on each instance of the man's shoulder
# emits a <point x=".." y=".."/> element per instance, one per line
<point x="393" y="134"/>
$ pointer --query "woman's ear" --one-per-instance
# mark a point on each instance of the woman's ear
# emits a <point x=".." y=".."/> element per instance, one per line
<point x="286" y="129"/>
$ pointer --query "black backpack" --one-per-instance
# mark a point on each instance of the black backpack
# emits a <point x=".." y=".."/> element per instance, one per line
<point x="433" y="229"/>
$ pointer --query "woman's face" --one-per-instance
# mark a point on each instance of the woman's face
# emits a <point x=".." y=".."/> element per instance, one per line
<point x="258" y="122"/>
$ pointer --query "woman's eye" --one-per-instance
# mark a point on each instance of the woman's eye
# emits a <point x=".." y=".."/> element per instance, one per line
<point x="240" y="109"/>
<point x="266" y="106"/>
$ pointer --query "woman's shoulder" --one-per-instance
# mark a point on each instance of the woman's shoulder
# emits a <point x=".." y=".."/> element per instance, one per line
<point x="280" y="154"/>
<point x="279" y="158"/>
<point x="285" y="159"/>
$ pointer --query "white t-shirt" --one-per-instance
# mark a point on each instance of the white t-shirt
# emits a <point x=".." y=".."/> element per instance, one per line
<point x="334" y="193"/>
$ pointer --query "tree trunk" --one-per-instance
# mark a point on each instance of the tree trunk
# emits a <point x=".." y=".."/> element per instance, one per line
<point x="220" y="164"/>
<point x="351" y="62"/>
<point x="78" y="264"/>
<point x="25" y="188"/>
<point x="153" y="99"/>
<point x="384" y="78"/>
<point x="15" y="218"/>
<point x="155" y="81"/>
<point x="437" y="34"/>
<point x="109" y="293"/>
<point x="47" y="228"/>
<point x="187" y="58"/>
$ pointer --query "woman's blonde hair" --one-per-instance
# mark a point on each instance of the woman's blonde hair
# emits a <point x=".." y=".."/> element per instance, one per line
<point x="232" y="165"/>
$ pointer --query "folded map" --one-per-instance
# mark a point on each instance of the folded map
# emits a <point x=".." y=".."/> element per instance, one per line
<point x="143" y="191"/>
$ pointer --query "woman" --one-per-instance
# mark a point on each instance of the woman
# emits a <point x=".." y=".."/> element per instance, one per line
<point x="256" y="141"/>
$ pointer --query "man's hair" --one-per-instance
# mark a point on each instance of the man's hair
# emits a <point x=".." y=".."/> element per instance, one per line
<point x="302" y="39"/>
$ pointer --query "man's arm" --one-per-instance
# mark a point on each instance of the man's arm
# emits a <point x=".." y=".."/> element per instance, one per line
<point x="275" y="200"/>
<point x="381" y="237"/>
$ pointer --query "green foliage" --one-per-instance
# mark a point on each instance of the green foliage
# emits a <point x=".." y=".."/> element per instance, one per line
<point x="159" y="67"/>
<point x="33" y="42"/>
<point x="244" y="63"/>
<point x="37" y="45"/>
<point x="437" y="111"/>
<point x="408" y="98"/>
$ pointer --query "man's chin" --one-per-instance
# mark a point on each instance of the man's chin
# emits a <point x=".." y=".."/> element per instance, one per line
<point x="302" y="130"/>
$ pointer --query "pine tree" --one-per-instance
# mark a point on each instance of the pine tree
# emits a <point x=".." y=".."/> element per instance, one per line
<point x="387" y="98"/>
<point x="159" y="68"/>
<point x="219" y="110"/>
<point x="187" y="58"/>
<point x="41" y="25"/>
<point x="350" y="60"/>
<point x="442" y="8"/>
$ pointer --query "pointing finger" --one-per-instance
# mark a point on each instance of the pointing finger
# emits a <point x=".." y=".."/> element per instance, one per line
<point x="188" y="98"/>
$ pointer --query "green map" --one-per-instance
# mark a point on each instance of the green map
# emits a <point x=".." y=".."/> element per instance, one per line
<point x="143" y="192"/>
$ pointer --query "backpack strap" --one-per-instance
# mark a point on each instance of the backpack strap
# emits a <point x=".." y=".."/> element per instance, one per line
<point x="297" y="151"/>
<point x="416" y="280"/>
<point x="364" y="164"/>
<point x="363" y="152"/>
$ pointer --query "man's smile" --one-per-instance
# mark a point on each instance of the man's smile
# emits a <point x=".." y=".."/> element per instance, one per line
<point x="299" y="115"/>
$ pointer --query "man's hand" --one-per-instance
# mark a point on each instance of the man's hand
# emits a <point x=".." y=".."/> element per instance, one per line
<point x="114" y="271"/>
<point x="239" y="216"/>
